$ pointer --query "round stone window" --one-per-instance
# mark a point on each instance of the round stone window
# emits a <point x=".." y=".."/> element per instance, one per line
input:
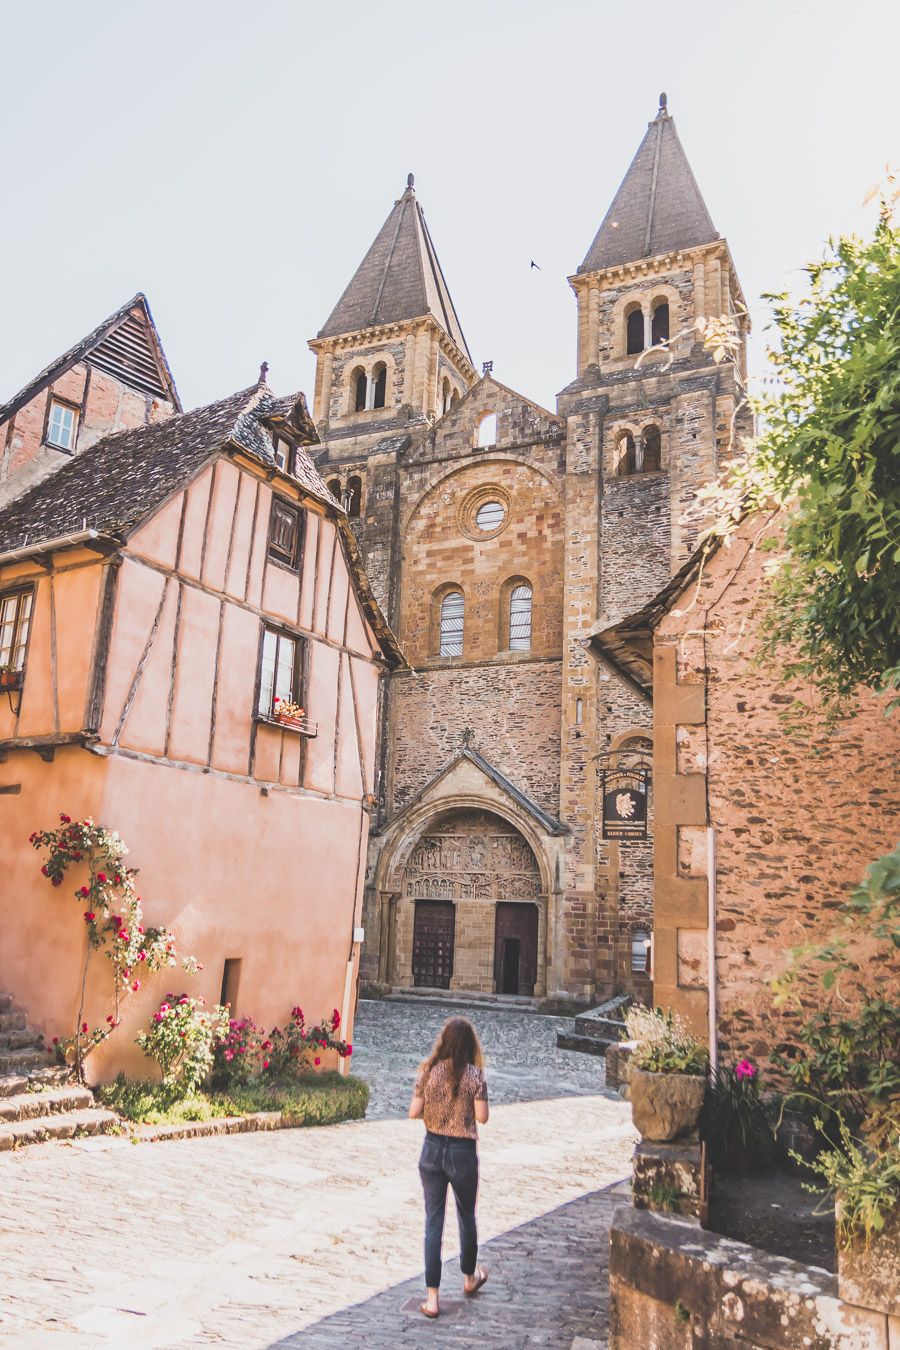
<point x="490" y="516"/>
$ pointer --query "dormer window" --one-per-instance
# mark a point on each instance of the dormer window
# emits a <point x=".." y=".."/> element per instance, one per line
<point x="61" y="425"/>
<point x="281" y="451"/>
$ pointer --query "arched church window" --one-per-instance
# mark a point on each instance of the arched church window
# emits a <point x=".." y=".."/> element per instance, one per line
<point x="359" y="386"/>
<point x="659" y="331"/>
<point x="651" y="450"/>
<point x="334" y="487"/>
<point x="520" y="619"/>
<point x="353" y="497"/>
<point x="379" y="377"/>
<point x="454" y="398"/>
<point x="487" y="430"/>
<point x="452" y="622"/>
<point x="627" y="460"/>
<point x="640" y="951"/>
<point x="634" y="332"/>
<point x="445" y="395"/>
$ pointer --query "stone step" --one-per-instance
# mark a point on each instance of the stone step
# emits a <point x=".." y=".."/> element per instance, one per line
<point x="20" y="1038"/>
<point x="11" y="1021"/>
<point x="21" y="1061"/>
<point x="28" y="1105"/>
<point x="588" y="1045"/>
<point x="462" y="998"/>
<point x="65" y="1125"/>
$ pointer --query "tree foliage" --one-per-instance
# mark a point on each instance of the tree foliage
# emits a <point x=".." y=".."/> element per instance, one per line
<point x="829" y="454"/>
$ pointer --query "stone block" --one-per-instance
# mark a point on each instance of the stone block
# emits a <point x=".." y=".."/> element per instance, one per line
<point x="667" y="1177"/>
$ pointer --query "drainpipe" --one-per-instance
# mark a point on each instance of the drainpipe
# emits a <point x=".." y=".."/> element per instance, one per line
<point x="711" y="947"/>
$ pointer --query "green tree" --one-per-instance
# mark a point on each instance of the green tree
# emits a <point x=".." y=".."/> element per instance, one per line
<point x="829" y="454"/>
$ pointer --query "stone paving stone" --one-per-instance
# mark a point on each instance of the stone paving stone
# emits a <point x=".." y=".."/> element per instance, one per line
<point x="522" y="1061"/>
<point x="240" y="1242"/>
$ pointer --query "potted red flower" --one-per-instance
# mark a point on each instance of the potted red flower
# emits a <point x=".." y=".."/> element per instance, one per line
<point x="10" y="677"/>
<point x="289" y="714"/>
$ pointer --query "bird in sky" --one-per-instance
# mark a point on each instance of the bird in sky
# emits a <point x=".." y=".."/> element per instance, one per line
<point x="537" y="265"/>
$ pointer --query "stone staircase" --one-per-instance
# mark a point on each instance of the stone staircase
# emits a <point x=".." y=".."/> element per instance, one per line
<point x="597" y="1029"/>
<point x="39" y="1101"/>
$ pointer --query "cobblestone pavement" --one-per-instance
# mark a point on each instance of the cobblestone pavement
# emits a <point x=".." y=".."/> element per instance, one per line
<point x="314" y="1236"/>
<point x="522" y="1062"/>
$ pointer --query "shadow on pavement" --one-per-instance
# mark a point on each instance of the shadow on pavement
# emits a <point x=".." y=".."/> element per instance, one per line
<point x="548" y="1284"/>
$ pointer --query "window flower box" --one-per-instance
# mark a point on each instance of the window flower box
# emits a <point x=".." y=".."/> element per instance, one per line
<point x="292" y="717"/>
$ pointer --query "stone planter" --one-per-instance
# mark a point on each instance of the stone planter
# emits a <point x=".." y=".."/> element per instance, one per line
<point x="869" y="1277"/>
<point x="666" y="1106"/>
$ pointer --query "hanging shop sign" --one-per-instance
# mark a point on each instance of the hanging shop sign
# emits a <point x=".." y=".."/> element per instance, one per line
<point x="625" y="803"/>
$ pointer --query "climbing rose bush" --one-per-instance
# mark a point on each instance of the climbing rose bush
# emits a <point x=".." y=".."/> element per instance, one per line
<point x="239" y="1053"/>
<point x="181" y="1039"/>
<point x="297" y="1047"/>
<point x="113" y="918"/>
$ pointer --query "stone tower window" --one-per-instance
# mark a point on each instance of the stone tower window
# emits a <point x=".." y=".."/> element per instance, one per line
<point x="452" y="622"/>
<point x="659" y="331"/>
<point x="353" y="497"/>
<point x="379" y="379"/>
<point x="640" y="951"/>
<point x="445" y="395"/>
<point x="627" y="456"/>
<point x="520" y="619"/>
<point x="334" y="487"/>
<point x="487" y="430"/>
<point x="651" y="451"/>
<point x="489" y="516"/>
<point x="634" y="332"/>
<point x="358" y="384"/>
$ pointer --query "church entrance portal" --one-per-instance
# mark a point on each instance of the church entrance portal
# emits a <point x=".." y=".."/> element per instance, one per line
<point x="433" y="939"/>
<point x="471" y="916"/>
<point x="515" y="949"/>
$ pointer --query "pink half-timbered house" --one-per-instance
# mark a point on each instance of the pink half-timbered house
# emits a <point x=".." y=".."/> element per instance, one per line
<point x="160" y="593"/>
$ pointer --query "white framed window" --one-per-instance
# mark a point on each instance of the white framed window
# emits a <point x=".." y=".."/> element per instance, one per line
<point x="15" y="621"/>
<point x="279" y="680"/>
<point x="487" y="430"/>
<point x="520" y="619"/>
<point x="452" y="622"/>
<point x="61" y="425"/>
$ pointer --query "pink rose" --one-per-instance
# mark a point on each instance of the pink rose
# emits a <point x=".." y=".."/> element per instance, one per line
<point x="744" y="1069"/>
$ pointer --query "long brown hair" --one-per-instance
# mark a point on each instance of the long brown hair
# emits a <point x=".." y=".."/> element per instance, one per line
<point x="458" y="1043"/>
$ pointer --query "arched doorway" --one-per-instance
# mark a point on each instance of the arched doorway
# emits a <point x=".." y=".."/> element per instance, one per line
<point x="472" y="913"/>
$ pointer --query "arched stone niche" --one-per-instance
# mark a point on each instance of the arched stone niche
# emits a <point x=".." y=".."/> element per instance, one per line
<point x="469" y="876"/>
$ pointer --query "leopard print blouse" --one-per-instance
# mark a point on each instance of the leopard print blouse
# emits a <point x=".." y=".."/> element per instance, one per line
<point x="446" y="1114"/>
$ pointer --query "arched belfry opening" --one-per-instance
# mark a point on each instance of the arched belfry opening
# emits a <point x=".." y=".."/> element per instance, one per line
<point x="471" y="908"/>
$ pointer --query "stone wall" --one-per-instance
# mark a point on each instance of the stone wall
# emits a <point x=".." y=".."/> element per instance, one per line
<point x="675" y="1287"/>
<point x="797" y="818"/>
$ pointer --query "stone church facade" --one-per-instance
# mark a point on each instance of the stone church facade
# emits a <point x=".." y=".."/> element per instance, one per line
<point x="498" y="535"/>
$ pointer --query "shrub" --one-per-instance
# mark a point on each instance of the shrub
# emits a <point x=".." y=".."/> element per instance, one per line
<point x="181" y="1038"/>
<point x="735" y="1121"/>
<point x="238" y="1053"/>
<point x="289" y="1050"/>
<point x="664" y="1044"/>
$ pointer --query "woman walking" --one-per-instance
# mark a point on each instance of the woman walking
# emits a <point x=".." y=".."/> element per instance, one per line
<point x="451" y="1095"/>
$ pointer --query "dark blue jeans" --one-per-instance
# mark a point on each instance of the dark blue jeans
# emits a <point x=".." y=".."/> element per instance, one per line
<point x="446" y="1160"/>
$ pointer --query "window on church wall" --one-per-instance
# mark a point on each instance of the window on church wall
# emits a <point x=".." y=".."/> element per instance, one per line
<point x="651" y="450"/>
<point x="334" y="487"/>
<point x="634" y="332"/>
<point x="520" y="619"/>
<point x="445" y="396"/>
<point x="353" y="497"/>
<point x="359" y="385"/>
<point x="454" y="398"/>
<point x="487" y="430"/>
<point x="640" y="951"/>
<point x="452" y="623"/>
<point x="379" y="377"/>
<point x="659" y="331"/>
<point x="626" y="463"/>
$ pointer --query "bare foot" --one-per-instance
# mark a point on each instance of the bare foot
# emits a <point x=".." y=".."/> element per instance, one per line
<point x="472" y="1283"/>
<point x="431" y="1307"/>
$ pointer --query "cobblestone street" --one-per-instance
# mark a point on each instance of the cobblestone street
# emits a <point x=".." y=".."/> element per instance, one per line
<point x="314" y="1236"/>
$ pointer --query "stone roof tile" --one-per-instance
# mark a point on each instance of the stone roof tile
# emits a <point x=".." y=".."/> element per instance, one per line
<point x="658" y="207"/>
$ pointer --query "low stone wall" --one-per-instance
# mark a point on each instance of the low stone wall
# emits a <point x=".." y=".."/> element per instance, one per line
<point x="674" y="1286"/>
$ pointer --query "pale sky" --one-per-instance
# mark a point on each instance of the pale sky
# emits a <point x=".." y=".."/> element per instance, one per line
<point x="234" y="160"/>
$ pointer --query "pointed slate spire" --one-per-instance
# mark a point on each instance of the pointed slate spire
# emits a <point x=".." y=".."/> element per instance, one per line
<point x="399" y="278"/>
<point x="658" y="207"/>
